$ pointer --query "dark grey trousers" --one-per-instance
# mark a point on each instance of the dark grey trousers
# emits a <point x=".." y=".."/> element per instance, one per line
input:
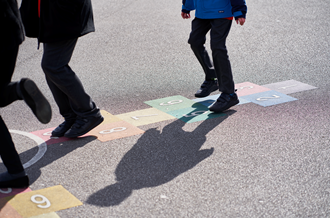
<point x="8" y="94"/>
<point x="219" y="31"/>
<point x="64" y="84"/>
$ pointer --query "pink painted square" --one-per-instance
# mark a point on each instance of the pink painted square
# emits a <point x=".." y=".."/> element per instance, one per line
<point x="46" y="133"/>
<point x="248" y="88"/>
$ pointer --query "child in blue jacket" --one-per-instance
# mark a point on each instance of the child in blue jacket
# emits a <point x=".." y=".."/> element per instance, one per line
<point x="217" y="16"/>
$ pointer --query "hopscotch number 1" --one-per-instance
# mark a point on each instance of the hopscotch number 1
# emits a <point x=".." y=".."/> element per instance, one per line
<point x="40" y="202"/>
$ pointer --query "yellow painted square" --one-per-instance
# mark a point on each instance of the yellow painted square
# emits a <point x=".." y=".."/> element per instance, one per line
<point x="58" y="197"/>
<point x="144" y="117"/>
<point x="108" y="118"/>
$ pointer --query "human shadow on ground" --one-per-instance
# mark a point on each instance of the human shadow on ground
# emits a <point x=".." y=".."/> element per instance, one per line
<point x="157" y="158"/>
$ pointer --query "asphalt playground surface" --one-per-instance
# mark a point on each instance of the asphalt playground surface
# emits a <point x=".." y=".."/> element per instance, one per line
<point x="253" y="161"/>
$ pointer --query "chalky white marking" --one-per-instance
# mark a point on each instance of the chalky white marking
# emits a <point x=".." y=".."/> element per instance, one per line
<point x="41" y="145"/>
<point x="47" y="133"/>
<point x="137" y="117"/>
<point x="267" y="98"/>
<point x="285" y="87"/>
<point x="243" y="87"/>
<point x="117" y="129"/>
<point x="44" y="200"/>
<point x="171" y="102"/>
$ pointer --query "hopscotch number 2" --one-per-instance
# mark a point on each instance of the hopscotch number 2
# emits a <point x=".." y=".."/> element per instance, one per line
<point x="267" y="98"/>
<point x="40" y="202"/>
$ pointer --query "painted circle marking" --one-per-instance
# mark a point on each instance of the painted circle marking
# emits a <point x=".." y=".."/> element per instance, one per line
<point x="41" y="145"/>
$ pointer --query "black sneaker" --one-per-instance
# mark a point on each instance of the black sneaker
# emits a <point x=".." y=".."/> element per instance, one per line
<point x="83" y="125"/>
<point x="29" y="92"/>
<point x="20" y="180"/>
<point x="206" y="88"/>
<point x="224" y="102"/>
<point x="63" y="128"/>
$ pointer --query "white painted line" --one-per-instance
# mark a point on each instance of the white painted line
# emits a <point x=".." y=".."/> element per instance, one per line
<point x="41" y="145"/>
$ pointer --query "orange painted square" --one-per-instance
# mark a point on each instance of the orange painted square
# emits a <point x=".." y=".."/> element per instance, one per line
<point x="109" y="118"/>
<point x="115" y="130"/>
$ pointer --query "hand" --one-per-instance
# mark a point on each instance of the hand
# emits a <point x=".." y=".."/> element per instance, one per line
<point x="185" y="15"/>
<point x="240" y="21"/>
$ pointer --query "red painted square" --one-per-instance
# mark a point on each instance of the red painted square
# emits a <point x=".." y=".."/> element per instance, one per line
<point x="46" y="133"/>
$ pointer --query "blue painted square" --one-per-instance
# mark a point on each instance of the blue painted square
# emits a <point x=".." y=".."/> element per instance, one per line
<point x="243" y="100"/>
<point x="269" y="98"/>
<point x="194" y="114"/>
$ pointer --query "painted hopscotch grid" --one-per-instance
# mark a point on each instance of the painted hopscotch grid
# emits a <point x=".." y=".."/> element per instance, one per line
<point x="35" y="204"/>
<point x="187" y="110"/>
<point x="44" y="203"/>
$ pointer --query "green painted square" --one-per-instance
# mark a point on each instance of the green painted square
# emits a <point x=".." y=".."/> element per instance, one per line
<point x="197" y="112"/>
<point x="171" y="103"/>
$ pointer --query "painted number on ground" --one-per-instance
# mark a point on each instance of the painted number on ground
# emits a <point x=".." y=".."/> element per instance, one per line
<point x="245" y="87"/>
<point x="196" y="113"/>
<point x="117" y="129"/>
<point x="137" y="117"/>
<point x="43" y="203"/>
<point x="267" y="98"/>
<point x="171" y="102"/>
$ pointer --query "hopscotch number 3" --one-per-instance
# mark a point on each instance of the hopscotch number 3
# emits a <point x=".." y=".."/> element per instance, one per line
<point x="40" y="202"/>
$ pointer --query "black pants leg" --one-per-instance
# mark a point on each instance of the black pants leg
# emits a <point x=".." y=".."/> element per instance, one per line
<point x="219" y="32"/>
<point x="8" y="94"/>
<point x="64" y="84"/>
<point x="197" y="39"/>
<point x="8" y="151"/>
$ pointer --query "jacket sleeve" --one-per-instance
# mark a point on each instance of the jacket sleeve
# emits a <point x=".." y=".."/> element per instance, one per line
<point x="187" y="6"/>
<point x="239" y="8"/>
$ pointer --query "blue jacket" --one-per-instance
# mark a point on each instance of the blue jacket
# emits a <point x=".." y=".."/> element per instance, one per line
<point x="213" y="9"/>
